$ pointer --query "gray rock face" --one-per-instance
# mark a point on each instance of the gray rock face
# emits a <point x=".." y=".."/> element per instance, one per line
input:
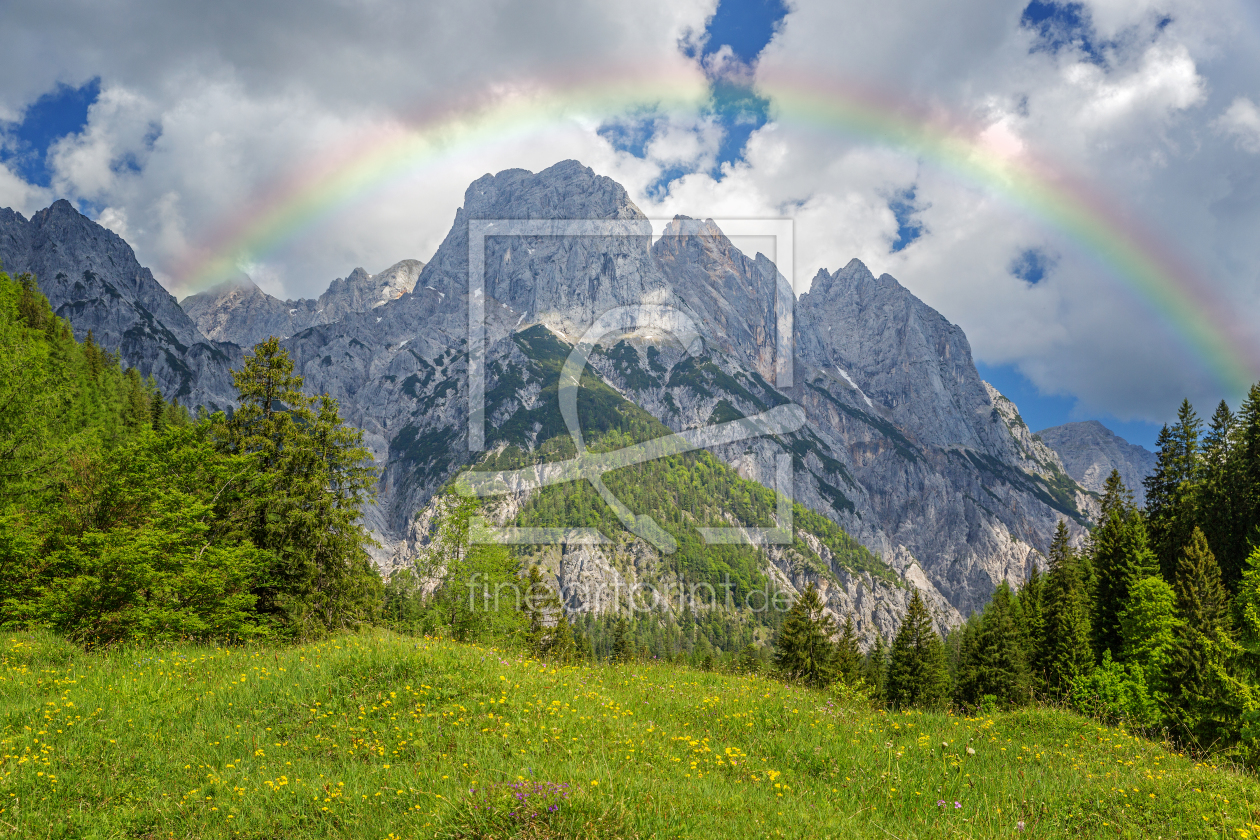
<point x="1090" y="451"/>
<point x="240" y="312"/>
<point x="91" y="277"/>
<point x="904" y="446"/>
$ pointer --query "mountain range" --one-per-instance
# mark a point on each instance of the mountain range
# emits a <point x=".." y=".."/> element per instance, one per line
<point x="903" y="447"/>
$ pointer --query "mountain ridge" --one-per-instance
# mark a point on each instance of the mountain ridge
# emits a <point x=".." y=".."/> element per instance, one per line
<point x="904" y="447"/>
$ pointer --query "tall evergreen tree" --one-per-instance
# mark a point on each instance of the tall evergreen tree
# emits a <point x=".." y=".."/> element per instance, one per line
<point x="1032" y="628"/>
<point x="967" y="665"/>
<point x="804" y="650"/>
<point x="1171" y="489"/>
<point x="623" y="649"/>
<point x="305" y="499"/>
<point x="917" y="672"/>
<point x="875" y="669"/>
<point x="1001" y="670"/>
<point x="1220" y="492"/>
<point x="848" y="656"/>
<point x="1121" y="556"/>
<point x="1198" y="660"/>
<point x="1067" y="653"/>
<point x="1246" y="455"/>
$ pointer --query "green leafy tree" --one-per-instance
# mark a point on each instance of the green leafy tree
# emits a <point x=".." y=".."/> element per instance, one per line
<point x="917" y="672"/>
<point x="133" y="555"/>
<point x="804" y="650"/>
<point x="478" y="594"/>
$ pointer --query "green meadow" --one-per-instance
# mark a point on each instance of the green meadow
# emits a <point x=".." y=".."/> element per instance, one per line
<point x="383" y="736"/>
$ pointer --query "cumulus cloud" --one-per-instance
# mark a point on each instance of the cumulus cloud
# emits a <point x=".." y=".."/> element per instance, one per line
<point x="208" y="112"/>
<point x="1241" y="122"/>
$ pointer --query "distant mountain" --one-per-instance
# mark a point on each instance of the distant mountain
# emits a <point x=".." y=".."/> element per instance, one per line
<point x="240" y="312"/>
<point x="1090" y="451"/>
<point x="91" y="277"/>
<point x="909" y="470"/>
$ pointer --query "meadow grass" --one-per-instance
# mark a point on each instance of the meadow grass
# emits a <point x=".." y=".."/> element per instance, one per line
<point x="381" y="736"/>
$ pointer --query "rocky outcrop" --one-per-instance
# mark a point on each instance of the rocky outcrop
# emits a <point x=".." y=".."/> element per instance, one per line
<point x="91" y="277"/>
<point x="1090" y="451"/>
<point x="238" y="311"/>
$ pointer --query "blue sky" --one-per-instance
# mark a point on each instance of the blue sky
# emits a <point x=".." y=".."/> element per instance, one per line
<point x="61" y="112"/>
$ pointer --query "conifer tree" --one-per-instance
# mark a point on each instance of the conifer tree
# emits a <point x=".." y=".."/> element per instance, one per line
<point x="917" y="672"/>
<point x="1220" y="492"/>
<point x="1002" y="670"/>
<point x="804" y="650"/>
<point x="1246" y="456"/>
<point x="1032" y="628"/>
<point x="1171" y="489"/>
<point x="547" y="631"/>
<point x="1121" y="556"/>
<point x="1066" y="653"/>
<point x="749" y="660"/>
<point x="848" y="656"/>
<point x="623" y="642"/>
<point x="967" y="666"/>
<point x="304" y="501"/>
<point x="1149" y="630"/>
<point x="1198" y="660"/>
<point x="875" y="668"/>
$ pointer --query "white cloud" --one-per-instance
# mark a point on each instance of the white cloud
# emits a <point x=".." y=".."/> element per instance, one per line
<point x="21" y="196"/>
<point x="208" y="112"/>
<point x="1241" y="122"/>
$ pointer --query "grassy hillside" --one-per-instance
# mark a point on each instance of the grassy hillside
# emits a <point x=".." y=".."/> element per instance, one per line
<point x="382" y="736"/>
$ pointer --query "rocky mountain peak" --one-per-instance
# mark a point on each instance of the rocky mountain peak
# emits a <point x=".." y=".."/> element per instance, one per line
<point x="1090" y="451"/>
<point x="240" y="312"/>
<point x="91" y="278"/>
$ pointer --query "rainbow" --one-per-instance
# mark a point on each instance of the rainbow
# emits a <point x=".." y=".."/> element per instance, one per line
<point x="1185" y="303"/>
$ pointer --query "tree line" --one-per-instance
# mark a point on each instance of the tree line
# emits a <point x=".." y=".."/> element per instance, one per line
<point x="1155" y="622"/>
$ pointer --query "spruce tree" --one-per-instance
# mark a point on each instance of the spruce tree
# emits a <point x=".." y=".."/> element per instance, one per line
<point x="749" y="660"/>
<point x="1121" y="555"/>
<point x="1171" y="489"/>
<point x="1066" y="653"/>
<point x="623" y="649"/>
<point x="1002" y="671"/>
<point x="967" y="667"/>
<point x="1198" y="661"/>
<point x="848" y="656"/>
<point x="804" y="650"/>
<point x="1032" y="628"/>
<point x="1246" y="472"/>
<point x="1220" y="492"/>
<point x="305" y="499"/>
<point x="918" y="675"/>
<point x="1149" y="630"/>
<point x="875" y="669"/>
